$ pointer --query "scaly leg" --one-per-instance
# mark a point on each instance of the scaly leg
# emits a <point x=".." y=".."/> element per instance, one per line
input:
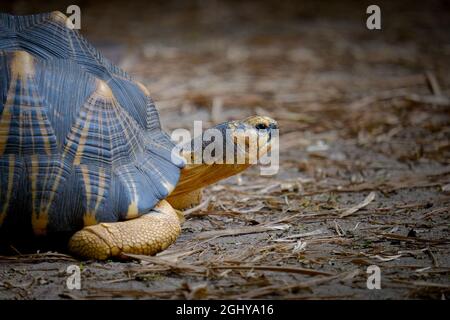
<point x="148" y="235"/>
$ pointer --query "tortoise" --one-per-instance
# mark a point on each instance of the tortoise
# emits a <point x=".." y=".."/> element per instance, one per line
<point x="82" y="151"/>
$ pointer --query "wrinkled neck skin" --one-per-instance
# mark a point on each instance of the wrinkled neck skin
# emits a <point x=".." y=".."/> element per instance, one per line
<point x="199" y="175"/>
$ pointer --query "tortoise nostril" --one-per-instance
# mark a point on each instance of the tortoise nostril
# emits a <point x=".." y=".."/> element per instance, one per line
<point x="261" y="126"/>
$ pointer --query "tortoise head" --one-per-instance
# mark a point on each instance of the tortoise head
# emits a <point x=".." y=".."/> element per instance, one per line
<point x="225" y="150"/>
<point x="252" y="137"/>
<point x="237" y="142"/>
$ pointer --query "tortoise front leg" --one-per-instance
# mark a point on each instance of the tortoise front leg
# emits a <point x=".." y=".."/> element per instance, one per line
<point x="148" y="235"/>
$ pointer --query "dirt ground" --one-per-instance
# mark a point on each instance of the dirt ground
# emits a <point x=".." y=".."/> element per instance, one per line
<point x="364" y="173"/>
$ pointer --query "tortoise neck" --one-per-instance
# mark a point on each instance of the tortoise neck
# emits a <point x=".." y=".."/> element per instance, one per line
<point x="198" y="176"/>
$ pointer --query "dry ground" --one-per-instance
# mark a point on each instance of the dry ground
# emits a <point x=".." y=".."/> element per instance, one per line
<point x="364" y="173"/>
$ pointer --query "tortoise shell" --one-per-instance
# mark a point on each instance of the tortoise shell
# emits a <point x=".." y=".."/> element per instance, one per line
<point x="80" y="141"/>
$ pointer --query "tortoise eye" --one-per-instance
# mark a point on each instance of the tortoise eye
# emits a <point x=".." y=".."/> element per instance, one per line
<point x="261" y="126"/>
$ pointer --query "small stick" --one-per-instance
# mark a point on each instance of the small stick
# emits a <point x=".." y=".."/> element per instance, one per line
<point x="433" y="84"/>
<point x="310" y="272"/>
<point x="359" y="206"/>
<point x="189" y="213"/>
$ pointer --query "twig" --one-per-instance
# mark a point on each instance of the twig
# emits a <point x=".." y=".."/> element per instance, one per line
<point x="189" y="213"/>
<point x="411" y="239"/>
<point x="240" y="231"/>
<point x="359" y="206"/>
<point x="433" y="257"/>
<point x="433" y="84"/>
<point x="301" y="235"/>
<point x="163" y="262"/>
<point x="310" y="272"/>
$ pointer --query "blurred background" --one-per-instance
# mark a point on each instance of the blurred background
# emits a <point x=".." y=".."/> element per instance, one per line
<point x="242" y="57"/>
<point x="359" y="110"/>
